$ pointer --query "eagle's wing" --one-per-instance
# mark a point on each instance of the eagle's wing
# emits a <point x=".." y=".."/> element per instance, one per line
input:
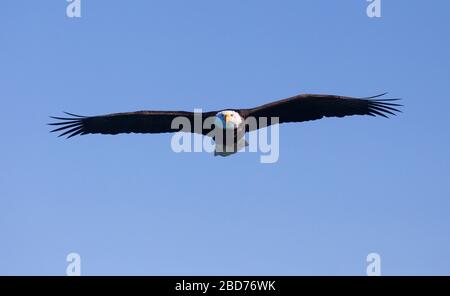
<point x="311" y="107"/>
<point x="130" y="122"/>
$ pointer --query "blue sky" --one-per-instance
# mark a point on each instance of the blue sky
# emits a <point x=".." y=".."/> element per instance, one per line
<point x="342" y="188"/>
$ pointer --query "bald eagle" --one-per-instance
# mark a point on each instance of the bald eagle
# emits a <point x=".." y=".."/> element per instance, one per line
<point x="299" y="108"/>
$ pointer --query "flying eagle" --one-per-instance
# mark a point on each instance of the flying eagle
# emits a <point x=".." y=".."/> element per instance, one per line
<point x="299" y="108"/>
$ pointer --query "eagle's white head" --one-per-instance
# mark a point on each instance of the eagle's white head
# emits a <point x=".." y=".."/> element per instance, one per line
<point x="228" y="119"/>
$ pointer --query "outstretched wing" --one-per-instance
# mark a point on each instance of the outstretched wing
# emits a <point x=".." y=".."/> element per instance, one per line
<point x="130" y="122"/>
<point x="312" y="107"/>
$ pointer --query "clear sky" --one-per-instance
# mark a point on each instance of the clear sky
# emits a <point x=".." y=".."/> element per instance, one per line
<point x="128" y="204"/>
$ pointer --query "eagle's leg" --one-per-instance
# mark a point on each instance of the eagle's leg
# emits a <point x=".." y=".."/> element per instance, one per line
<point x="230" y="149"/>
<point x="229" y="142"/>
